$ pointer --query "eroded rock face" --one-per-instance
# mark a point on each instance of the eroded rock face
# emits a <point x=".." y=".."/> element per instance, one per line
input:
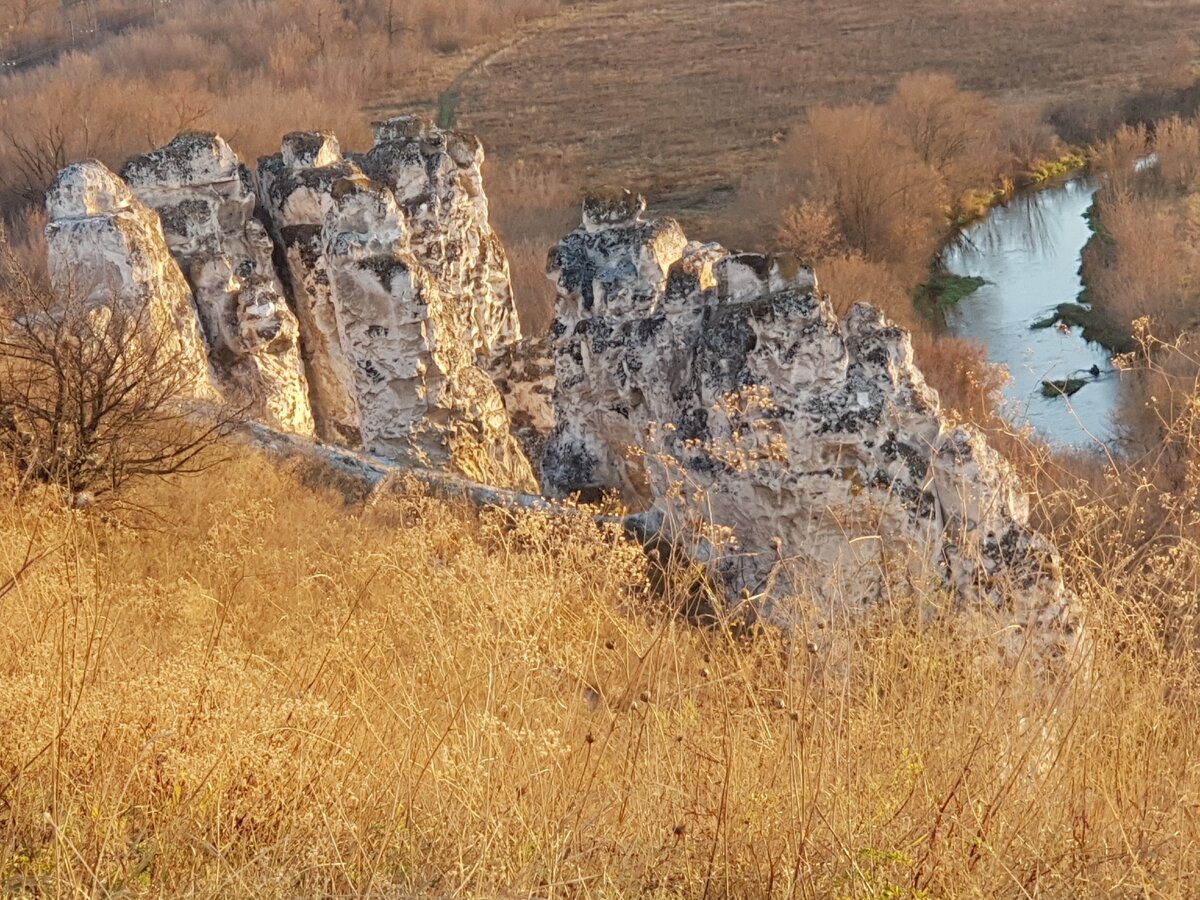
<point x="421" y="399"/>
<point x="391" y="355"/>
<point x="205" y="199"/>
<point x="107" y="249"/>
<point x="296" y="188"/>
<point x="802" y="457"/>
<point x="437" y="181"/>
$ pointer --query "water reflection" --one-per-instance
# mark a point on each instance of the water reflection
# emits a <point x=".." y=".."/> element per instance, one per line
<point x="1029" y="252"/>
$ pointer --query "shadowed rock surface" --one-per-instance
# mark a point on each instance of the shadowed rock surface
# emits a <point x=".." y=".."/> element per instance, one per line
<point x="205" y="199"/>
<point x="801" y="457"/>
<point x="296" y="189"/>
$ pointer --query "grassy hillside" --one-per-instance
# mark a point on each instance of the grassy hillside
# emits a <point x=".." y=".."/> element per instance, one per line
<point x="235" y="685"/>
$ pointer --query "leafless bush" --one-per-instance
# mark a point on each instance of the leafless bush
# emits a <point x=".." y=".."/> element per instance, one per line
<point x="889" y="204"/>
<point x="1117" y="158"/>
<point x="953" y="131"/>
<point x="91" y="393"/>
<point x="1177" y="146"/>
<point x="810" y="231"/>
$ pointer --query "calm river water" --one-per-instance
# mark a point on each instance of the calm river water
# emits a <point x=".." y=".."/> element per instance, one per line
<point x="1029" y="253"/>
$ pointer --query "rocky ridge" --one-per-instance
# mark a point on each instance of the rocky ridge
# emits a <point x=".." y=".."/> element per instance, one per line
<point x="205" y="199"/>
<point x="801" y="459"/>
<point x="378" y="347"/>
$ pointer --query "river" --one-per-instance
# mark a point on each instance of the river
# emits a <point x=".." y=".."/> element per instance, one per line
<point x="1029" y="252"/>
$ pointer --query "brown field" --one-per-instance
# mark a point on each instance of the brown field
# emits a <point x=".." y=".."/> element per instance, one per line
<point x="682" y="99"/>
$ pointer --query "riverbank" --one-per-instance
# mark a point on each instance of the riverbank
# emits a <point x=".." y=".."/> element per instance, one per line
<point x="945" y="289"/>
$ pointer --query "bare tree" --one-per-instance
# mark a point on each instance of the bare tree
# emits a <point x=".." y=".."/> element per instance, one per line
<point x="939" y="121"/>
<point x="91" y="393"/>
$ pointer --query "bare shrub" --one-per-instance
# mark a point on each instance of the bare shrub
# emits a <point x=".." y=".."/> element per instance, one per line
<point x="810" y="232"/>
<point x="952" y="131"/>
<point x="1177" y="146"/>
<point x="1117" y="158"/>
<point x="1151" y="265"/>
<point x="91" y="392"/>
<point x="889" y="204"/>
<point x="851" y="279"/>
<point x="302" y="65"/>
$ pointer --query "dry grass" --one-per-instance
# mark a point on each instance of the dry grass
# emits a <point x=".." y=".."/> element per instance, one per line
<point x="257" y="692"/>
<point x="252" y="71"/>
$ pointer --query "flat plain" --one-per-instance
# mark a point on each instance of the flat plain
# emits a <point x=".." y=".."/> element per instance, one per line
<point x="683" y="99"/>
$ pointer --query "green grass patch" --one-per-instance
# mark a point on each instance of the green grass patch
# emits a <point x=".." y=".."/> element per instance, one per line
<point x="448" y="108"/>
<point x="1047" y="170"/>
<point x="942" y="290"/>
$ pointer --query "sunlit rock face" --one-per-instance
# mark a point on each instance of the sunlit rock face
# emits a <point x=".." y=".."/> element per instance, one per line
<point x="436" y="178"/>
<point x="205" y="199"/>
<point x="421" y="398"/>
<point x="295" y="187"/>
<point x="804" y="458"/>
<point x="390" y="356"/>
<point x="107" y="250"/>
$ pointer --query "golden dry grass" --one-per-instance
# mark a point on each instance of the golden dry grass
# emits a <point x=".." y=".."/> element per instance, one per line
<point x="256" y="691"/>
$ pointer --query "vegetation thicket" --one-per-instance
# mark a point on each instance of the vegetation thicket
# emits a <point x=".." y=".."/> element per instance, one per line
<point x="1142" y="270"/>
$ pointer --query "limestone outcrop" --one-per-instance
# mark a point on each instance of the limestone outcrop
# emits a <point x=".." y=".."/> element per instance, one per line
<point x="799" y="455"/>
<point x="437" y="180"/>
<point x="296" y="189"/>
<point x="801" y="458"/>
<point x="205" y="198"/>
<point x="390" y="353"/>
<point x="107" y="250"/>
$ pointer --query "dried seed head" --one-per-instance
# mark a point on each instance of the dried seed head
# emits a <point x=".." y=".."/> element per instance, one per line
<point x="608" y="645"/>
<point x="591" y="738"/>
<point x="794" y="716"/>
<point x="778" y="703"/>
<point x="644" y="696"/>
<point x="811" y="647"/>
<point x="680" y="830"/>
<point x="704" y="673"/>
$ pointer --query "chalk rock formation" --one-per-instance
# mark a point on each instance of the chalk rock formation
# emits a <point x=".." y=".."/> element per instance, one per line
<point x="802" y="456"/>
<point x="205" y="199"/>
<point x="524" y="374"/>
<point x="437" y="180"/>
<point x="389" y="354"/>
<point x="107" y="249"/>
<point x="296" y="188"/>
